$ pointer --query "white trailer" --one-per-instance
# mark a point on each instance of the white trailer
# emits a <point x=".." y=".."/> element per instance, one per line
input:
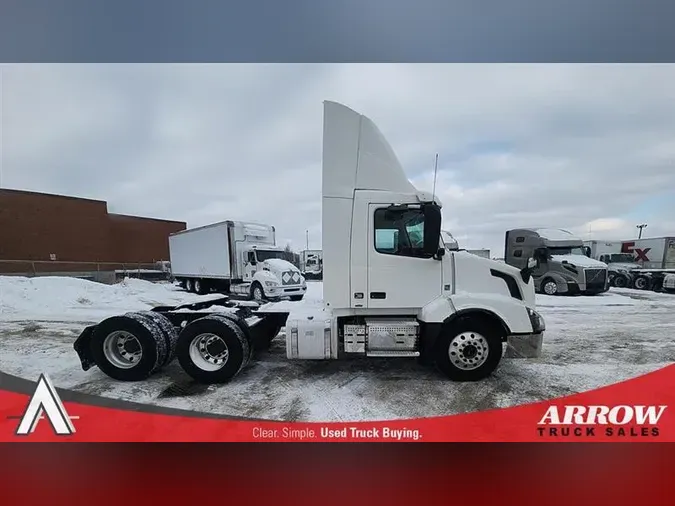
<point x="311" y="263"/>
<point x="637" y="263"/>
<point x="234" y="257"/>
<point x="391" y="288"/>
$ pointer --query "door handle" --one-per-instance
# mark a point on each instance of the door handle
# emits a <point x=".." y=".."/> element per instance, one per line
<point x="378" y="295"/>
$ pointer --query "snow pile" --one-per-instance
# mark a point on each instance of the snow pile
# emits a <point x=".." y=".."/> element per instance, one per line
<point x="72" y="299"/>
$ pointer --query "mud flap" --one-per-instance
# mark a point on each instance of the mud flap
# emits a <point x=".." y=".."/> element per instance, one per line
<point x="81" y="346"/>
<point x="524" y="346"/>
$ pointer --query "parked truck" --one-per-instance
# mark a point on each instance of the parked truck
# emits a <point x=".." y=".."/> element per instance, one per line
<point x="391" y="288"/>
<point x="234" y="257"/>
<point x="563" y="265"/>
<point x="637" y="263"/>
<point x="311" y="263"/>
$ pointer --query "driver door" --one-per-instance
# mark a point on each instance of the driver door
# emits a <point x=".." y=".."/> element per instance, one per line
<point x="397" y="276"/>
<point x="250" y="265"/>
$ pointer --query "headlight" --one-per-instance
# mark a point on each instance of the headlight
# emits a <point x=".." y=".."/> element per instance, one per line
<point x="271" y="283"/>
<point x="537" y="321"/>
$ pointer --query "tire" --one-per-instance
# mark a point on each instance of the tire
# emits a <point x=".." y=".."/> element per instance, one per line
<point x="480" y="342"/>
<point x="296" y="297"/>
<point x="257" y="289"/>
<point x="210" y="366"/>
<point x="200" y="287"/>
<point x="551" y="285"/>
<point x="620" y="281"/>
<point x="189" y="285"/>
<point x="641" y="283"/>
<point x="169" y="331"/>
<point x="145" y="353"/>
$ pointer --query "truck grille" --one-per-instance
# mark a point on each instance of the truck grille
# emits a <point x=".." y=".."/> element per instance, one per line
<point x="595" y="278"/>
<point x="290" y="278"/>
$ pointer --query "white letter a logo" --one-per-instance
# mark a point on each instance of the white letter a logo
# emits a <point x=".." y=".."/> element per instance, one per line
<point x="45" y="399"/>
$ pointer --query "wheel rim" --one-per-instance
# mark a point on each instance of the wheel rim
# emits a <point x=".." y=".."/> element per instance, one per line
<point x="209" y="352"/>
<point x="468" y="350"/>
<point x="640" y="283"/>
<point x="198" y="286"/>
<point x="619" y="282"/>
<point x="122" y="349"/>
<point x="188" y="285"/>
<point x="257" y="293"/>
<point x="550" y="287"/>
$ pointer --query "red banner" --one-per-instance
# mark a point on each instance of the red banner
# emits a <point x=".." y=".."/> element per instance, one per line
<point x="630" y="411"/>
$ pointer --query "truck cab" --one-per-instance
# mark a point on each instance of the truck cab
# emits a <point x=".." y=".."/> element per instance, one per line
<point x="270" y="275"/>
<point x="563" y="265"/>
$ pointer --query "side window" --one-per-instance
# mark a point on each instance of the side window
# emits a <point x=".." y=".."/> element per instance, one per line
<point x="518" y="253"/>
<point x="399" y="232"/>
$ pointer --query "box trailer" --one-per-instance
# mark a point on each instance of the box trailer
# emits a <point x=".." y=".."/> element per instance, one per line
<point x="390" y="289"/>
<point x="637" y="263"/>
<point x="234" y="257"/>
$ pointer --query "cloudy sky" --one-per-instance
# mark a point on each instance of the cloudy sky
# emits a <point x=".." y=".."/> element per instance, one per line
<point x="590" y="148"/>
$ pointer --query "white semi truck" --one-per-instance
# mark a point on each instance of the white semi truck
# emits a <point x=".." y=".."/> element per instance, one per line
<point x="311" y="263"/>
<point x="638" y="263"/>
<point x="391" y="288"/>
<point x="234" y="257"/>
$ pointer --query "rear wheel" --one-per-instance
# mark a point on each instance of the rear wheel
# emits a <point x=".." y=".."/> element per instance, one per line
<point x="189" y="285"/>
<point x="130" y="347"/>
<point x="641" y="283"/>
<point x="468" y="349"/>
<point x="200" y="287"/>
<point x="213" y="349"/>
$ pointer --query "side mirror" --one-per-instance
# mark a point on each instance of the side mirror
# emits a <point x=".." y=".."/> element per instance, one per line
<point x="440" y="253"/>
<point x="526" y="273"/>
<point x="432" y="229"/>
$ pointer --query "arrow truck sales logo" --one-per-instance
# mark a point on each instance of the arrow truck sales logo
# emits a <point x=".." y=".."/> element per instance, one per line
<point x="45" y="401"/>
<point x="609" y="421"/>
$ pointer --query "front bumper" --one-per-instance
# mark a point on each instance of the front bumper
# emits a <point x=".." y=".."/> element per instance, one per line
<point x="278" y="292"/>
<point x="527" y="345"/>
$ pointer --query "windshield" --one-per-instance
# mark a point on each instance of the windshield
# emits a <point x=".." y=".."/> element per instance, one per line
<point x="263" y="255"/>
<point x="568" y="251"/>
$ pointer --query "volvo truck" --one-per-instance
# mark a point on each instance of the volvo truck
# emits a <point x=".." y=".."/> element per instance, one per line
<point x="391" y="288"/>
<point x="234" y="257"/>
<point x="563" y="265"/>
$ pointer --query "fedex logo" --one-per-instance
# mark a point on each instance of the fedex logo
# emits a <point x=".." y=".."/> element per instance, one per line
<point x="640" y="254"/>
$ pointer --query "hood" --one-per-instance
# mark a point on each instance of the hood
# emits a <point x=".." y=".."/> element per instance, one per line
<point x="280" y="265"/>
<point x="623" y="265"/>
<point x="579" y="260"/>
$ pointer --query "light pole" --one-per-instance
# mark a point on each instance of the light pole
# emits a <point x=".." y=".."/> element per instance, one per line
<point x="641" y="226"/>
<point x="307" y="238"/>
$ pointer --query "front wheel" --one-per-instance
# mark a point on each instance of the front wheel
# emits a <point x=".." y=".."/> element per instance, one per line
<point x="620" y="281"/>
<point x="468" y="350"/>
<point x="257" y="292"/>
<point x="549" y="287"/>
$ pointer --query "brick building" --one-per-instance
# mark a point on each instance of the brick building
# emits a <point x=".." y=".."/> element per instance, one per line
<point x="54" y="233"/>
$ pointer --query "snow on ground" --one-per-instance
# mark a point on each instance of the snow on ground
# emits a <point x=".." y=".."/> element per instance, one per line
<point x="589" y="342"/>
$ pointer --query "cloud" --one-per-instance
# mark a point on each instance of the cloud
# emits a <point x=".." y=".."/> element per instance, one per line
<point x="582" y="147"/>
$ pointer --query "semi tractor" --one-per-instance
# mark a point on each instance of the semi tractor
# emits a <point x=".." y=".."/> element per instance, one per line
<point x="234" y="257"/>
<point x="391" y="288"/>
<point x="563" y="264"/>
<point x="311" y="263"/>
<point x="639" y="263"/>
